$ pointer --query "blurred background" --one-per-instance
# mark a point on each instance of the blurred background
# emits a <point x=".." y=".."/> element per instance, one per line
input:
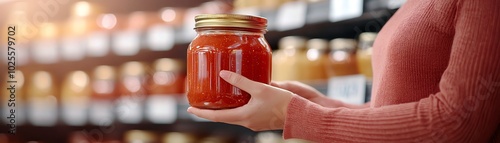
<point x="114" y="70"/>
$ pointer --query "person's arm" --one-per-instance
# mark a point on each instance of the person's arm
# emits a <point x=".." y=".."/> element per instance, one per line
<point x="314" y="95"/>
<point x="465" y="110"/>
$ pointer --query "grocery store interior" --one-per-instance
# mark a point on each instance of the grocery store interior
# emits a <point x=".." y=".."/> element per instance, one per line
<point x="80" y="64"/>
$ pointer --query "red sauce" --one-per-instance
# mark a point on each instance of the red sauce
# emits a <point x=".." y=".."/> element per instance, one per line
<point x="209" y="53"/>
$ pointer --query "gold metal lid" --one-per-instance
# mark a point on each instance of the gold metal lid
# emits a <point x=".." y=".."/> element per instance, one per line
<point x="293" y="42"/>
<point x="343" y="44"/>
<point x="167" y="64"/>
<point x="230" y="20"/>
<point x="320" y="44"/>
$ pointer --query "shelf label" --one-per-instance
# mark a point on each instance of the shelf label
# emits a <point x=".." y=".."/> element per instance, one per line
<point x="98" y="44"/>
<point x="160" y="38"/>
<point x="101" y="112"/>
<point x="45" y="52"/>
<point x="345" y="9"/>
<point x="126" y="43"/>
<point x="43" y="111"/>
<point x="291" y="15"/>
<point x="72" y="49"/>
<point x="349" y="89"/>
<point x="161" y="109"/>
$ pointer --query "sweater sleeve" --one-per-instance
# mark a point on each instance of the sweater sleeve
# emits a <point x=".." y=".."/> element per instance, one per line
<point x="464" y="110"/>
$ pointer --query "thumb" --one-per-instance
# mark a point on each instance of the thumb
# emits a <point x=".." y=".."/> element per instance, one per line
<point x="241" y="82"/>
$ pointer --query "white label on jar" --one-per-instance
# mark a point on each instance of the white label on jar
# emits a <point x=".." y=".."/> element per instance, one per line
<point x="98" y="44"/>
<point x="72" y="49"/>
<point x="349" y="89"/>
<point x="45" y="52"/>
<point x="43" y="111"/>
<point x="160" y="38"/>
<point x="345" y="9"/>
<point x="18" y="117"/>
<point x="129" y="109"/>
<point x="101" y="112"/>
<point x="291" y="15"/>
<point x="75" y="113"/>
<point x="126" y="43"/>
<point x="161" y="109"/>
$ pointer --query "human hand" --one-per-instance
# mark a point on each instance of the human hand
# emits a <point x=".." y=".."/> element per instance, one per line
<point x="266" y="109"/>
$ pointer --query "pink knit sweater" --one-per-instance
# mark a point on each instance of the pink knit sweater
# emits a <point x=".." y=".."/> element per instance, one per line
<point x="436" y="79"/>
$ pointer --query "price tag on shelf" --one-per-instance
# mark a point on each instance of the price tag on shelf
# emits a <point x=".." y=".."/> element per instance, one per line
<point x="45" y="52"/>
<point x="161" y="109"/>
<point x="98" y="44"/>
<point x="345" y="9"/>
<point x="291" y="15"/>
<point x="126" y="43"/>
<point x="349" y="89"/>
<point x="72" y="49"/>
<point x="160" y="38"/>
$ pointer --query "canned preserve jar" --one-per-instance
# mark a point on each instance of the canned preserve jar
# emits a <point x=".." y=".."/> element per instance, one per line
<point x="226" y="42"/>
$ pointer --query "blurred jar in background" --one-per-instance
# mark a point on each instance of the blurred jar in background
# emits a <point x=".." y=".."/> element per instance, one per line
<point x="104" y="93"/>
<point x="178" y="137"/>
<point x="139" y="136"/>
<point x="364" y="54"/>
<point x="268" y="137"/>
<point x="132" y="92"/>
<point x="98" y="39"/>
<point x="72" y="40"/>
<point x="364" y="59"/>
<point x="161" y="28"/>
<point x="44" y="49"/>
<point x="290" y="59"/>
<point x="41" y="99"/>
<point x="14" y="99"/>
<point x="317" y="58"/>
<point x="165" y="85"/>
<point x="75" y="94"/>
<point x="342" y="57"/>
<point x="127" y="38"/>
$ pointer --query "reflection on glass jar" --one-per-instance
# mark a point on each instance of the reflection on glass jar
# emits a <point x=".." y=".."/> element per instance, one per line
<point x="226" y="42"/>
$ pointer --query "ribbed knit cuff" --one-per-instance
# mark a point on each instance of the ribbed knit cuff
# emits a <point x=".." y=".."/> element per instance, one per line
<point x="303" y="120"/>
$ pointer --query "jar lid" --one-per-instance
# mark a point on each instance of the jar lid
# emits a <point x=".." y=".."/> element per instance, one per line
<point x="178" y="137"/>
<point x="230" y="20"/>
<point x="320" y="44"/>
<point x="292" y="42"/>
<point x="343" y="44"/>
<point x="134" y="68"/>
<point x="103" y="72"/>
<point x="140" y="136"/>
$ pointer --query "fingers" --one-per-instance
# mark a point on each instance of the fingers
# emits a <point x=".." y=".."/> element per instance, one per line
<point x="226" y="115"/>
<point x="298" y="88"/>
<point x="241" y="82"/>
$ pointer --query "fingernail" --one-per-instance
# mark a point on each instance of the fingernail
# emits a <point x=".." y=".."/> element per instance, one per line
<point x="224" y="74"/>
<point x="190" y="109"/>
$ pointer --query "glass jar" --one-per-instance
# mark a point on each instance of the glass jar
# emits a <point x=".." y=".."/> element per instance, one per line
<point x="317" y="58"/>
<point x="289" y="60"/>
<point x="226" y="42"/>
<point x="342" y="57"/>
<point x="104" y="92"/>
<point x="364" y="54"/>
<point x="75" y="94"/>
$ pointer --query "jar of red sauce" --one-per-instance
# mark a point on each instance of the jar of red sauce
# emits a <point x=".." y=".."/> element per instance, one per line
<point x="226" y="42"/>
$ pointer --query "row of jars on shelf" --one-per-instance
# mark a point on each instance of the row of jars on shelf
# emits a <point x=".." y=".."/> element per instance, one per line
<point x="145" y="136"/>
<point x="134" y="94"/>
<point x="317" y="59"/>
<point x="343" y="65"/>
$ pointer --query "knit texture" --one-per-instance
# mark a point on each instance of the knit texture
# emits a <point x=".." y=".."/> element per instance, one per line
<point x="436" y="67"/>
